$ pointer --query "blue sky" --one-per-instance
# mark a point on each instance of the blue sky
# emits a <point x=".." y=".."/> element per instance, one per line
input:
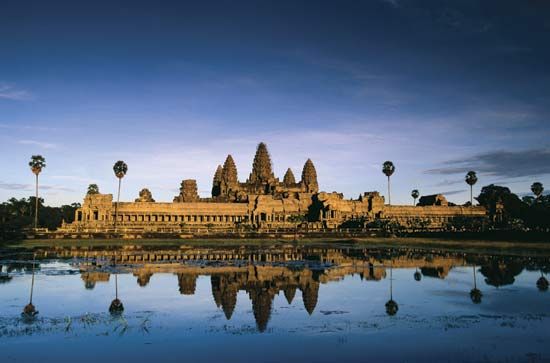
<point x="438" y="87"/>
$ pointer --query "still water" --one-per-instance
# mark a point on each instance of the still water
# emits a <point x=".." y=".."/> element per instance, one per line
<point x="273" y="304"/>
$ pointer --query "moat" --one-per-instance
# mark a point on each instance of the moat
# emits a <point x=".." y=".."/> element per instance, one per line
<point x="286" y="302"/>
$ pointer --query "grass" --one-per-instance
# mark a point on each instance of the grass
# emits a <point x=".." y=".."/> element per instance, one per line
<point x="485" y="246"/>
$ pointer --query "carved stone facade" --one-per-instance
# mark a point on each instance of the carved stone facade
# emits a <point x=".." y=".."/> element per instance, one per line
<point x="260" y="202"/>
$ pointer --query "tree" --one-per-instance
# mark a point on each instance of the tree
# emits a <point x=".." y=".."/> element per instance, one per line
<point x="120" y="168"/>
<point x="502" y="203"/>
<point x="93" y="189"/>
<point x="37" y="163"/>
<point x="415" y="194"/>
<point x="537" y="189"/>
<point x="388" y="169"/>
<point x="471" y="179"/>
<point x="475" y="293"/>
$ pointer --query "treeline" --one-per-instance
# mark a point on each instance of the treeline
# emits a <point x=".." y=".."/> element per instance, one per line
<point x="17" y="215"/>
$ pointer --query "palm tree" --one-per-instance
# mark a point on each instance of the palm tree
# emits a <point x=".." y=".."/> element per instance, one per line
<point x="415" y="194"/>
<point x="388" y="169"/>
<point x="120" y="168"/>
<point x="93" y="189"/>
<point x="475" y="293"/>
<point x="537" y="189"/>
<point x="37" y="163"/>
<point x="471" y="179"/>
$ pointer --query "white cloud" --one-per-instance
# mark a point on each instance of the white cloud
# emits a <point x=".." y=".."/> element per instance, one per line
<point x="10" y="92"/>
<point x="43" y="145"/>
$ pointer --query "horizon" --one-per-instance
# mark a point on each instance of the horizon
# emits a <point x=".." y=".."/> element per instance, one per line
<point x="439" y="88"/>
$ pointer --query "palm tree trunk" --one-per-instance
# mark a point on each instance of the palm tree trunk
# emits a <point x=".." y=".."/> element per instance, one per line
<point x="471" y="195"/>
<point x="391" y="280"/>
<point x="389" y="191"/>
<point x="117" y="201"/>
<point x="36" y="205"/>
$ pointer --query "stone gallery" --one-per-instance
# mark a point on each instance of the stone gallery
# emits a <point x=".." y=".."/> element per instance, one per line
<point x="261" y="202"/>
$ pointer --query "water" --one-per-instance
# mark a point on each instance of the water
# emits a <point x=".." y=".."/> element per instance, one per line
<point x="273" y="304"/>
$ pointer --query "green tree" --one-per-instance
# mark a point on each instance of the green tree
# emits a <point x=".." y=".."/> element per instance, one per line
<point x="471" y="179"/>
<point x="120" y="169"/>
<point x="415" y="194"/>
<point x="388" y="169"/>
<point x="36" y="164"/>
<point x="92" y="189"/>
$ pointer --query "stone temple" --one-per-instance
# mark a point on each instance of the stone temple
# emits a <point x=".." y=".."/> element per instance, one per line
<point x="261" y="202"/>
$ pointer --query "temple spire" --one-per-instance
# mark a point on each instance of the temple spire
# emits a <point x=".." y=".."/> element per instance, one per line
<point x="309" y="177"/>
<point x="289" y="179"/>
<point x="261" y="168"/>
<point x="216" y="183"/>
<point x="229" y="171"/>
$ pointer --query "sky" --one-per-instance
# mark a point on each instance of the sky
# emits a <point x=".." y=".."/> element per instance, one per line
<point x="438" y="87"/>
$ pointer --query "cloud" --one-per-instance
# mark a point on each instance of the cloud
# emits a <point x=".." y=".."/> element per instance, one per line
<point x="453" y="192"/>
<point x="15" y="186"/>
<point x="30" y="187"/>
<point x="10" y="92"/>
<point x="508" y="164"/>
<point x="43" y="145"/>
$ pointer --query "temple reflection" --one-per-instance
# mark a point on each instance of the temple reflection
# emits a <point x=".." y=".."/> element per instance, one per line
<point x="264" y="273"/>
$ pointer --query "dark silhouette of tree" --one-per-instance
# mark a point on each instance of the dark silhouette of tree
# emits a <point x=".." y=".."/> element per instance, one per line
<point x="471" y="179"/>
<point x="92" y="189"/>
<point x="415" y="194"/>
<point x="388" y="169"/>
<point x="391" y="305"/>
<point x="29" y="310"/>
<point x="475" y="293"/>
<point x="37" y="163"/>
<point x="417" y="275"/>
<point x="120" y="168"/>
<point x="542" y="283"/>
<point x="537" y="189"/>
<point x="116" y="307"/>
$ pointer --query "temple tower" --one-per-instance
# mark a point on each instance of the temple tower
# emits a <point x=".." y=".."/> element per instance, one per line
<point x="262" y="171"/>
<point x="289" y="179"/>
<point x="188" y="191"/>
<point x="216" y="183"/>
<point x="309" y="177"/>
<point x="229" y="178"/>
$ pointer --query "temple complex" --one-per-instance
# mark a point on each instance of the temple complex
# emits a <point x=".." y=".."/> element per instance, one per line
<point x="261" y="202"/>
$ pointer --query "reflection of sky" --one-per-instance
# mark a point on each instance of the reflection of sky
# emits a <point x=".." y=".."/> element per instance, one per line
<point x="436" y="320"/>
<point x="173" y="88"/>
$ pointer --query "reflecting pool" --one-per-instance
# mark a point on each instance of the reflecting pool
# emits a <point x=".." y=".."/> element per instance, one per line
<point x="272" y="304"/>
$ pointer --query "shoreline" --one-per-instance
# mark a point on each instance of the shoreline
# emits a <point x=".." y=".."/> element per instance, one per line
<point x="457" y="245"/>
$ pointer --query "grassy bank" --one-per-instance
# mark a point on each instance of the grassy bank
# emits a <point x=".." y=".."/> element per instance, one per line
<point x="480" y="246"/>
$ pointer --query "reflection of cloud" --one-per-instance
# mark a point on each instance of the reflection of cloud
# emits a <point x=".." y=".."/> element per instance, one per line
<point x="500" y="163"/>
<point x="43" y="145"/>
<point x="9" y="92"/>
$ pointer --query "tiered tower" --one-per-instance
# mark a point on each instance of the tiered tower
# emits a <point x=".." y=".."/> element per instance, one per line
<point x="309" y="177"/>
<point x="229" y="181"/>
<point x="289" y="179"/>
<point x="216" y="183"/>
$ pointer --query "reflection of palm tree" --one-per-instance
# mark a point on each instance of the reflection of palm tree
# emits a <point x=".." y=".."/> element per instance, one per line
<point x="471" y="179"/>
<point x="542" y="282"/>
<point x="120" y="168"/>
<point x="388" y="169"/>
<point x="37" y="163"/>
<point x="116" y="307"/>
<point x="417" y="275"/>
<point x="29" y="310"/>
<point x="475" y="293"/>
<point x="415" y="194"/>
<point x="391" y="305"/>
